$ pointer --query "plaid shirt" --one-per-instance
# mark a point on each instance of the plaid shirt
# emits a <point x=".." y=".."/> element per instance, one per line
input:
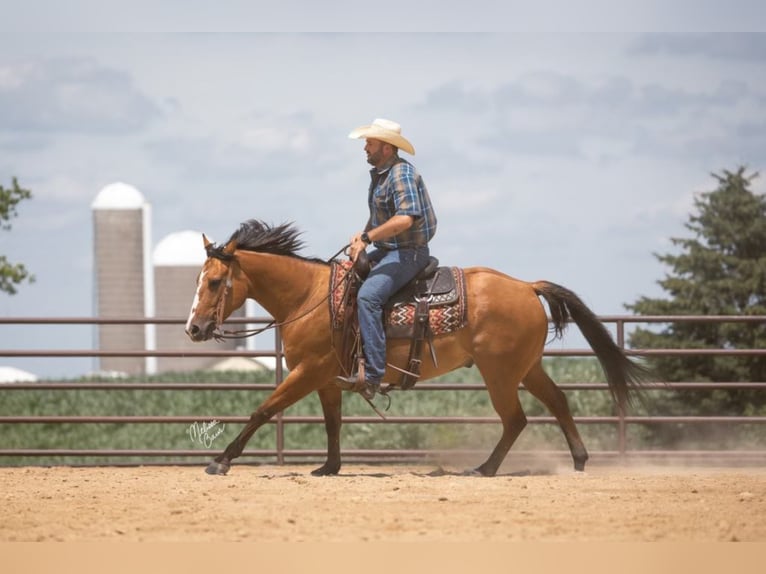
<point x="398" y="189"/>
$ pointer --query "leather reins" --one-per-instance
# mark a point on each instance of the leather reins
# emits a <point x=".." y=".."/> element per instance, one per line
<point x="222" y="334"/>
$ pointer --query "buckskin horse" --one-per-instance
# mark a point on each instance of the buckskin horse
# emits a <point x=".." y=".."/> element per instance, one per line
<point x="504" y="337"/>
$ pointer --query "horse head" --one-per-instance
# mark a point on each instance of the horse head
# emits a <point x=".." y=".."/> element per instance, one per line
<point x="219" y="291"/>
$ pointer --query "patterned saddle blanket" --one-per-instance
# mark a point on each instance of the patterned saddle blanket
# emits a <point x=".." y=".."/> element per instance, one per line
<point x="446" y="292"/>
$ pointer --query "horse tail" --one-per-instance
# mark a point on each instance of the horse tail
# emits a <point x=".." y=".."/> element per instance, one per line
<point x="623" y="375"/>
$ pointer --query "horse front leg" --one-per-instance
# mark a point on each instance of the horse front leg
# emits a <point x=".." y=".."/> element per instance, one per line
<point x="293" y="388"/>
<point x="331" y="398"/>
<point x="222" y="463"/>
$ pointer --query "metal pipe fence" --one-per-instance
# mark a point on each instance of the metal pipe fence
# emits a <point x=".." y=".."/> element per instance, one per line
<point x="621" y="421"/>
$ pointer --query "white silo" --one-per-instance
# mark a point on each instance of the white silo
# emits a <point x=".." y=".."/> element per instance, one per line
<point x="123" y="276"/>
<point x="178" y="259"/>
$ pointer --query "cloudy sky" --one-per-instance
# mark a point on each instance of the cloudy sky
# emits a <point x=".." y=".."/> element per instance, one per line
<point x="561" y="155"/>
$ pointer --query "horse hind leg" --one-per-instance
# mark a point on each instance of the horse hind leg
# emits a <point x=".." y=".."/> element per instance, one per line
<point x="503" y="387"/>
<point x="542" y="387"/>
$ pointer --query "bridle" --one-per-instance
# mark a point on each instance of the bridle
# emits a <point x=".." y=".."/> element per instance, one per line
<point x="221" y="303"/>
<point x="223" y="334"/>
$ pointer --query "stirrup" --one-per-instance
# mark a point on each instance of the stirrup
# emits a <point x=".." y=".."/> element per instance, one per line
<point x="357" y="385"/>
<point x="348" y="383"/>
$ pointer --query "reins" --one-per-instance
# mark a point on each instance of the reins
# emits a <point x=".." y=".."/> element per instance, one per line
<point x="223" y="334"/>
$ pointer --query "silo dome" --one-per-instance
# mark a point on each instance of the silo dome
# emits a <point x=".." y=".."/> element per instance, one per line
<point x="14" y="375"/>
<point x="181" y="249"/>
<point x="118" y="196"/>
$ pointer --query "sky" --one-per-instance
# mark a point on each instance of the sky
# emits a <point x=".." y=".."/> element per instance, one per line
<point x="565" y="154"/>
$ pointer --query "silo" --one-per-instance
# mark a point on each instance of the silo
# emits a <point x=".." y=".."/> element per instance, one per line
<point x="178" y="259"/>
<point x="123" y="275"/>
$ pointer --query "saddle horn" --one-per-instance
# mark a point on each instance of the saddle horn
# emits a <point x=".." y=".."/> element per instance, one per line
<point x="362" y="265"/>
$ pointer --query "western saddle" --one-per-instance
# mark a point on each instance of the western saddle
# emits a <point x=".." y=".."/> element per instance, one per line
<point x="433" y="286"/>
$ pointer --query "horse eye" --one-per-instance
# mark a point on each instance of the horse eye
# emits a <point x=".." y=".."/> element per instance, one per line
<point x="214" y="283"/>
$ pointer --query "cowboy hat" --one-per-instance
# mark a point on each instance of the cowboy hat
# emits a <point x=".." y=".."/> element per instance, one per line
<point x="384" y="130"/>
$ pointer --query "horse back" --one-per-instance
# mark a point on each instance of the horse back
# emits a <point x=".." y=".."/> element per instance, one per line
<point x="495" y="297"/>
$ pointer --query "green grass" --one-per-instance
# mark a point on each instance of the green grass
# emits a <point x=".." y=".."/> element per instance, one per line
<point x="206" y="405"/>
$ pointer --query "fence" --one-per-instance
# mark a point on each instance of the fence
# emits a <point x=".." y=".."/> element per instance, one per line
<point x="280" y="452"/>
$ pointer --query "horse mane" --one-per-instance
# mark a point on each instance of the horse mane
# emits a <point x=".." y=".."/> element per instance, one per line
<point x="255" y="235"/>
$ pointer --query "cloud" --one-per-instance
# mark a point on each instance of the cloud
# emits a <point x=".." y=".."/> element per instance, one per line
<point x="21" y="142"/>
<point x="553" y="114"/>
<point x="259" y="148"/>
<point x="541" y="88"/>
<point x="746" y="47"/>
<point x="462" y="201"/>
<point x="293" y="134"/>
<point x="455" y="96"/>
<point x="73" y="96"/>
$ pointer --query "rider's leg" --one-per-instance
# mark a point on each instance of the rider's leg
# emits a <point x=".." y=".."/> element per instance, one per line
<point x="394" y="269"/>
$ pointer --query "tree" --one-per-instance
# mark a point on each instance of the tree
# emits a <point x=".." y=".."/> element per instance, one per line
<point x="11" y="274"/>
<point x="721" y="270"/>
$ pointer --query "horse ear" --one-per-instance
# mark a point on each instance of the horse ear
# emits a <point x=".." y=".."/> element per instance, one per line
<point x="230" y="247"/>
<point x="206" y="241"/>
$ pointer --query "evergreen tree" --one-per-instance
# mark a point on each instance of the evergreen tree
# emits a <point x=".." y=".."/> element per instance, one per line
<point x="721" y="270"/>
<point x="11" y="274"/>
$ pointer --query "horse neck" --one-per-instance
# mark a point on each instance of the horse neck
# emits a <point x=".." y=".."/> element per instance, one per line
<point x="282" y="285"/>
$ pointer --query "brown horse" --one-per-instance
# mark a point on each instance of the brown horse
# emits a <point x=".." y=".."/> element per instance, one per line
<point x="504" y="338"/>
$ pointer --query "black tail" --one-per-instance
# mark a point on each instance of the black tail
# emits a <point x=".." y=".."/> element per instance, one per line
<point x="622" y="374"/>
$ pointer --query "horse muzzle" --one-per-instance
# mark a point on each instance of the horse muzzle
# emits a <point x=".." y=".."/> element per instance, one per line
<point x="201" y="331"/>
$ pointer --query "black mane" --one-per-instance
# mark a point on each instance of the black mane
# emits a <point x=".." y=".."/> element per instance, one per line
<point x="254" y="235"/>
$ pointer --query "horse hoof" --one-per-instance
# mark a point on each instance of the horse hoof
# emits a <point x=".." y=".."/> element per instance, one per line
<point x="326" y="470"/>
<point x="481" y="471"/>
<point x="217" y="468"/>
<point x="471" y="472"/>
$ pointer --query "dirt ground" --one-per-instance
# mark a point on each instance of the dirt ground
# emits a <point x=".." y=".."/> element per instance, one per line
<point x="382" y="503"/>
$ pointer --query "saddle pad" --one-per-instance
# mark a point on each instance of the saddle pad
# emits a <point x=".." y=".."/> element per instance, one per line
<point x="442" y="286"/>
<point x="443" y="317"/>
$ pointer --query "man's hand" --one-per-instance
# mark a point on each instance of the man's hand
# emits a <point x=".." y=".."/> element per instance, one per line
<point x="356" y="246"/>
<point x="390" y="228"/>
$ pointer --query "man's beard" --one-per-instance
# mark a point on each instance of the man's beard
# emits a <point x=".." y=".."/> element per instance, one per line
<point x="373" y="158"/>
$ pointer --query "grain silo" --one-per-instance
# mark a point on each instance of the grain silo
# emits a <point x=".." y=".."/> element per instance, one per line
<point x="122" y="276"/>
<point x="178" y="259"/>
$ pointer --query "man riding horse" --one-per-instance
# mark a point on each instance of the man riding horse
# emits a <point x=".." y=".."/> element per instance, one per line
<point x="502" y="327"/>
<point x="401" y="223"/>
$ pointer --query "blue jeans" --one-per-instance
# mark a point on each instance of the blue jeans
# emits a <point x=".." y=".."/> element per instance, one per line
<point x="393" y="270"/>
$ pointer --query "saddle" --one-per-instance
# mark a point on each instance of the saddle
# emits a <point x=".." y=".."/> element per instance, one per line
<point x="432" y="303"/>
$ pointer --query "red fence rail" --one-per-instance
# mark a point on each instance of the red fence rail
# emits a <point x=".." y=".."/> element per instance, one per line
<point x="280" y="452"/>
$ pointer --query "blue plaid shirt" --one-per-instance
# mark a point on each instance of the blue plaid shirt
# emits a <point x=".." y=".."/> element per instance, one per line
<point x="398" y="189"/>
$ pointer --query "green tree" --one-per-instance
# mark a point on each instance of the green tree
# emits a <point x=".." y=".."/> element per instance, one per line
<point x="11" y="274"/>
<point x="721" y="270"/>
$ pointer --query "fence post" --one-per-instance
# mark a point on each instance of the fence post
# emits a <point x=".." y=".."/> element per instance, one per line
<point x="279" y="376"/>
<point x="621" y="425"/>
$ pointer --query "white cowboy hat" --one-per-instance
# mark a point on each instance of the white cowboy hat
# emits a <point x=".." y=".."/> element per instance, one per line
<point x="384" y="130"/>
